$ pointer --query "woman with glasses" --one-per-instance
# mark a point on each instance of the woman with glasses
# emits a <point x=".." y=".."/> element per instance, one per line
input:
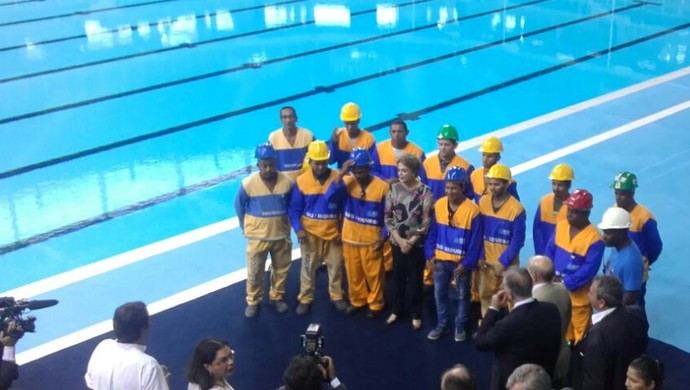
<point x="213" y="360"/>
<point x="408" y="217"/>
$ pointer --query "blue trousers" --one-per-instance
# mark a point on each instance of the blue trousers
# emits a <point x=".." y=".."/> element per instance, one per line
<point x="444" y="293"/>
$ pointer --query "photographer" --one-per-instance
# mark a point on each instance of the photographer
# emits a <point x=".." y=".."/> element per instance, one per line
<point x="311" y="373"/>
<point x="8" y="368"/>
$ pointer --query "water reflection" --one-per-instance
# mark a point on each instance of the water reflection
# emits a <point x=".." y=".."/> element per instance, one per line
<point x="331" y="15"/>
<point x="387" y="15"/>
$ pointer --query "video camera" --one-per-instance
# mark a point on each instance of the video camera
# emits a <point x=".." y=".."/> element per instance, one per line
<point x="11" y="312"/>
<point x="313" y="340"/>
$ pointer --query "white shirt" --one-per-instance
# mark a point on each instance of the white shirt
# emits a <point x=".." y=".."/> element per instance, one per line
<point x="121" y="366"/>
<point x="225" y="386"/>
<point x="597" y="317"/>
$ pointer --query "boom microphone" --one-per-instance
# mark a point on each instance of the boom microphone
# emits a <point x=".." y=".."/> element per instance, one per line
<point x="31" y="305"/>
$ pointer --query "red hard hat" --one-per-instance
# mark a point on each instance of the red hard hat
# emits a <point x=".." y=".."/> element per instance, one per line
<point x="580" y="200"/>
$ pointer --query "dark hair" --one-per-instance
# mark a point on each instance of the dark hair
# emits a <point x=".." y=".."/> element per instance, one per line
<point x="205" y="353"/>
<point x="411" y="161"/>
<point x="518" y="282"/>
<point x="399" y="122"/>
<point x="288" y="108"/>
<point x="458" y="377"/>
<point x="130" y="321"/>
<point x="303" y="373"/>
<point x="610" y="289"/>
<point x="650" y="370"/>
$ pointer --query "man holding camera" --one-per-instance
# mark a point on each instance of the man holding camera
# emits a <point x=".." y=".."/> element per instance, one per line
<point x="9" y="371"/>
<point x="307" y="372"/>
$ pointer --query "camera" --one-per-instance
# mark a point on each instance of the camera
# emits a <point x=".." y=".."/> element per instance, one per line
<point x="11" y="312"/>
<point x="313" y="340"/>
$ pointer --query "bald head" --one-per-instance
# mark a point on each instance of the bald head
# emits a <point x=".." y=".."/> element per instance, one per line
<point x="458" y="377"/>
<point x="541" y="269"/>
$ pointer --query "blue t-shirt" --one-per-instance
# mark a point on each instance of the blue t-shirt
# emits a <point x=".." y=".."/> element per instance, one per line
<point x="627" y="266"/>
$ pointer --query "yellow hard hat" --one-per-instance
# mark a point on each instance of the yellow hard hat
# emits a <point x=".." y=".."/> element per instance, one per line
<point x="318" y="151"/>
<point x="491" y="145"/>
<point x="499" y="171"/>
<point x="350" y="112"/>
<point x="562" y="172"/>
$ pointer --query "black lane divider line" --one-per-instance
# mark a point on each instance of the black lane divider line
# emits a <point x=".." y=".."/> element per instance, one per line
<point x="123" y="211"/>
<point x="243" y="171"/>
<point x="80" y="13"/>
<point x="244" y="67"/>
<point x="20" y="2"/>
<point x="151" y="24"/>
<point x="315" y="91"/>
<point x="187" y="45"/>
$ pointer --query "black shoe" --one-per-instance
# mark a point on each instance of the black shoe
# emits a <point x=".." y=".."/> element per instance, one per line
<point x="352" y="310"/>
<point x="373" y="314"/>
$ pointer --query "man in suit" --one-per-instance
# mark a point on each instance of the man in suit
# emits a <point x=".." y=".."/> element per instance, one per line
<point x="618" y="336"/>
<point x="544" y="289"/>
<point x="530" y="333"/>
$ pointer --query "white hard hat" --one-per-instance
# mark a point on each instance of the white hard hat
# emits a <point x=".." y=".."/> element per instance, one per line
<point x="615" y="218"/>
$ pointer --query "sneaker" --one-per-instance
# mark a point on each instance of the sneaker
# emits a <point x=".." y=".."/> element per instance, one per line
<point x="436" y="333"/>
<point x="352" y="310"/>
<point x="460" y="335"/>
<point x="340" y="305"/>
<point x="279" y="304"/>
<point x="251" y="311"/>
<point x="374" y="314"/>
<point x="303" y="308"/>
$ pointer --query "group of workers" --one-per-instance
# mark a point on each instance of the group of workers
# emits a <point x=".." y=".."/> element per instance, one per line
<point x="437" y="220"/>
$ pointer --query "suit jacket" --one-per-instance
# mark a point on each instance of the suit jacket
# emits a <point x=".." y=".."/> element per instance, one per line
<point x="531" y="333"/>
<point x="610" y="346"/>
<point x="559" y="295"/>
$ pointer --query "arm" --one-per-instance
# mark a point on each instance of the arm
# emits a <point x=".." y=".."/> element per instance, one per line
<point x="476" y="244"/>
<point x="550" y="249"/>
<point x="241" y="201"/>
<point x="492" y="334"/>
<point x="632" y="285"/>
<point x="654" y="244"/>
<point x="539" y="244"/>
<point x="295" y="208"/>
<point x="517" y="240"/>
<point x="376" y="166"/>
<point x="432" y="236"/>
<point x="154" y="378"/>
<point x="469" y="190"/>
<point x="589" y="268"/>
<point x="333" y="148"/>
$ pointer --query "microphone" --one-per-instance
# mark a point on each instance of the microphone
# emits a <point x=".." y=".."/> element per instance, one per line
<point x="31" y="305"/>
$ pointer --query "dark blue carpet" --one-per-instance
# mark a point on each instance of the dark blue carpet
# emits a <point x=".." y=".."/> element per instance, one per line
<point x="367" y="353"/>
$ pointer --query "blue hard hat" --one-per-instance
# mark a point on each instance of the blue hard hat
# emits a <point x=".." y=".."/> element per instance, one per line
<point x="361" y="157"/>
<point x="264" y="151"/>
<point x="456" y="174"/>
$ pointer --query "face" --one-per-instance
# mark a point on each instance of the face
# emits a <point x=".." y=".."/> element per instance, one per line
<point x="634" y="381"/>
<point x="454" y="191"/>
<point x="593" y="300"/>
<point x="398" y="133"/>
<point x="405" y="174"/>
<point x="577" y="218"/>
<point x="319" y="167"/>
<point x="267" y="169"/>
<point x="497" y="186"/>
<point x="361" y="174"/>
<point x="288" y="118"/>
<point x="352" y="127"/>
<point x="223" y="364"/>
<point x="490" y="159"/>
<point x="613" y="236"/>
<point x="561" y="188"/>
<point x="446" y="148"/>
<point x="624" y="199"/>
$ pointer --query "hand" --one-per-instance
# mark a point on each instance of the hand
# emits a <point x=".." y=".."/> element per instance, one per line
<point x="347" y="165"/>
<point x="459" y="271"/>
<point x="330" y="368"/>
<point x="500" y="300"/>
<point x="335" y="135"/>
<point x="482" y="264"/>
<point x="302" y="237"/>
<point x="378" y="245"/>
<point x="498" y="269"/>
<point x="5" y="338"/>
<point x="166" y="372"/>
<point x="405" y="246"/>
